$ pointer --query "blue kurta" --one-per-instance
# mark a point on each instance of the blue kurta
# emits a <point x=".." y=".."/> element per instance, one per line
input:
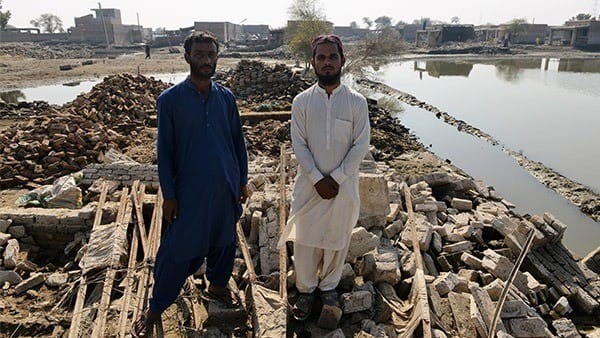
<point x="202" y="162"/>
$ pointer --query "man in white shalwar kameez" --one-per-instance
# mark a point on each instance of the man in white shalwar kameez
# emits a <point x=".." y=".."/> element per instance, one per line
<point x="330" y="136"/>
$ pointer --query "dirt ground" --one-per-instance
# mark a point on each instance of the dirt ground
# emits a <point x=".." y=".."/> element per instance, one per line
<point x="21" y="72"/>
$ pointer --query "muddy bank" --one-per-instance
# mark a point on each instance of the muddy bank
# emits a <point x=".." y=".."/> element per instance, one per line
<point x="583" y="197"/>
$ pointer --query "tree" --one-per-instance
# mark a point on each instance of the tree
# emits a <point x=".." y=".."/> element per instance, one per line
<point x="49" y="23"/>
<point x="455" y="20"/>
<point x="353" y="25"/>
<point x="582" y="16"/>
<point x="308" y="22"/>
<point x="4" y="17"/>
<point x="383" y="22"/>
<point x="367" y="22"/>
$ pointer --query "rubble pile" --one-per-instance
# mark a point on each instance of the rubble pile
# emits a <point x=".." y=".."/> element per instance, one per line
<point x="67" y="139"/>
<point x="265" y="137"/>
<point x="40" y="51"/>
<point x="389" y="137"/>
<point x="261" y="87"/>
<point x="20" y="110"/>
<point x="469" y="239"/>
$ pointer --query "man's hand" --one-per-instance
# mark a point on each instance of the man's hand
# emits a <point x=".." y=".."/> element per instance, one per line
<point x="327" y="188"/>
<point x="170" y="210"/>
<point x="245" y="193"/>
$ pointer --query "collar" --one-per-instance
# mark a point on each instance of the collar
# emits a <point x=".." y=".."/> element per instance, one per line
<point x="189" y="84"/>
<point x="322" y="91"/>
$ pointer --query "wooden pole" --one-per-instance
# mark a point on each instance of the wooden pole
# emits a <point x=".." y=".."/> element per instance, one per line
<point x="81" y="292"/>
<point x="282" y="221"/>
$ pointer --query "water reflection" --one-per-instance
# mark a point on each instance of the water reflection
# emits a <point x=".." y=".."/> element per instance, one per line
<point x="443" y="68"/>
<point x="13" y="96"/>
<point x="510" y="70"/>
<point x="579" y="66"/>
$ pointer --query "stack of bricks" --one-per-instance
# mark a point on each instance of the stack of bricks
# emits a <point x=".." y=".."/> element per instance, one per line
<point x="124" y="173"/>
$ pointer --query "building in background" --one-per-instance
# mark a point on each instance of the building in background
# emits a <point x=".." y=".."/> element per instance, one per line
<point x="106" y="24"/>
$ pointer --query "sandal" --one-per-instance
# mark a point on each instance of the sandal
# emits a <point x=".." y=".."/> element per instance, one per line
<point x="330" y="298"/>
<point x="225" y="298"/>
<point x="303" y="306"/>
<point x="141" y="321"/>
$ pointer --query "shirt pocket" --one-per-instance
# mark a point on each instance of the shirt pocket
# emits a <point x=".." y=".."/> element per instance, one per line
<point x="342" y="131"/>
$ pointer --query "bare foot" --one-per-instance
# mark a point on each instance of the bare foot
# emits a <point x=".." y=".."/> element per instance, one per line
<point x="143" y="326"/>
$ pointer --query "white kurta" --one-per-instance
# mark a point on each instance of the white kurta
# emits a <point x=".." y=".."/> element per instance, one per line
<point x="330" y="136"/>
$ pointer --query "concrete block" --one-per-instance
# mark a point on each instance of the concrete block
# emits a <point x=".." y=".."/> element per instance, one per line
<point x="494" y="289"/>
<point x="393" y="229"/>
<point x="11" y="252"/>
<point x="356" y="301"/>
<point x="460" y="303"/>
<point x="436" y="242"/>
<point x="374" y="200"/>
<point x="361" y="242"/>
<point x="527" y="327"/>
<point x="565" y="328"/>
<point x="477" y="319"/>
<point x="57" y="279"/>
<point x="468" y="274"/>
<point x="582" y="301"/>
<point x="562" y="306"/>
<point x="471" y="261"/>
<point x="514" y="309"/>
<point x="330" y="317"/>
<point x="394" y="211"/>
<point x="11" y="277"/>
<point x="484" y="304"/>
<point x="424" y="235"/>
<point x="31" y="282"/>
<point x="462" y="204"/>
<point x="445" y="283"/>
<point x="458" y="247"/>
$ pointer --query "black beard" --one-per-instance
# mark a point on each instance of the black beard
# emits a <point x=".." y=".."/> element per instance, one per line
<point x="201" y="74"/>
<point x="329" y="79"/>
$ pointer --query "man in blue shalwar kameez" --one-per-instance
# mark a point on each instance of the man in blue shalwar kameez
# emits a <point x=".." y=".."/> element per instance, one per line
<point x="203" y="172"/>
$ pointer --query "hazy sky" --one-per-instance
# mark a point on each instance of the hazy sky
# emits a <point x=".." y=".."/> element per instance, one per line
<point x="180" y="13"/>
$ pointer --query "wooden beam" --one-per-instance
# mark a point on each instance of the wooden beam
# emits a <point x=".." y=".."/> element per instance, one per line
<point x="81" y="292"/>
<point x="140" y="217"/>
<point x="130" y="266"/>
<point x="282" y="221"/>
<point x="123" y="219"/>
<point x="419" y="288"/>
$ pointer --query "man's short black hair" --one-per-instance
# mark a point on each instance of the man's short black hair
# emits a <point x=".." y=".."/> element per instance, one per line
<point x="199" y="37"/>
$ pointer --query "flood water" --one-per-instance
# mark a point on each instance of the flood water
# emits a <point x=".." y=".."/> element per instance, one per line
<point x="547" y="108"/>
<point x="62" y="93"/>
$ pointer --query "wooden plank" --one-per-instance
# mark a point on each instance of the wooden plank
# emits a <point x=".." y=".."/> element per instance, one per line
<point x="282" y="221"/>
<point x="143" y="277"/>
<point x="140" y="217"/>
<point x="245" y="252"/>
<point x="124" y="311"/>
<point x="81" y="292"/>
<point x="419" y="286"/>
<point x="144" y="290"/>
<point x="123" y="218"/>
